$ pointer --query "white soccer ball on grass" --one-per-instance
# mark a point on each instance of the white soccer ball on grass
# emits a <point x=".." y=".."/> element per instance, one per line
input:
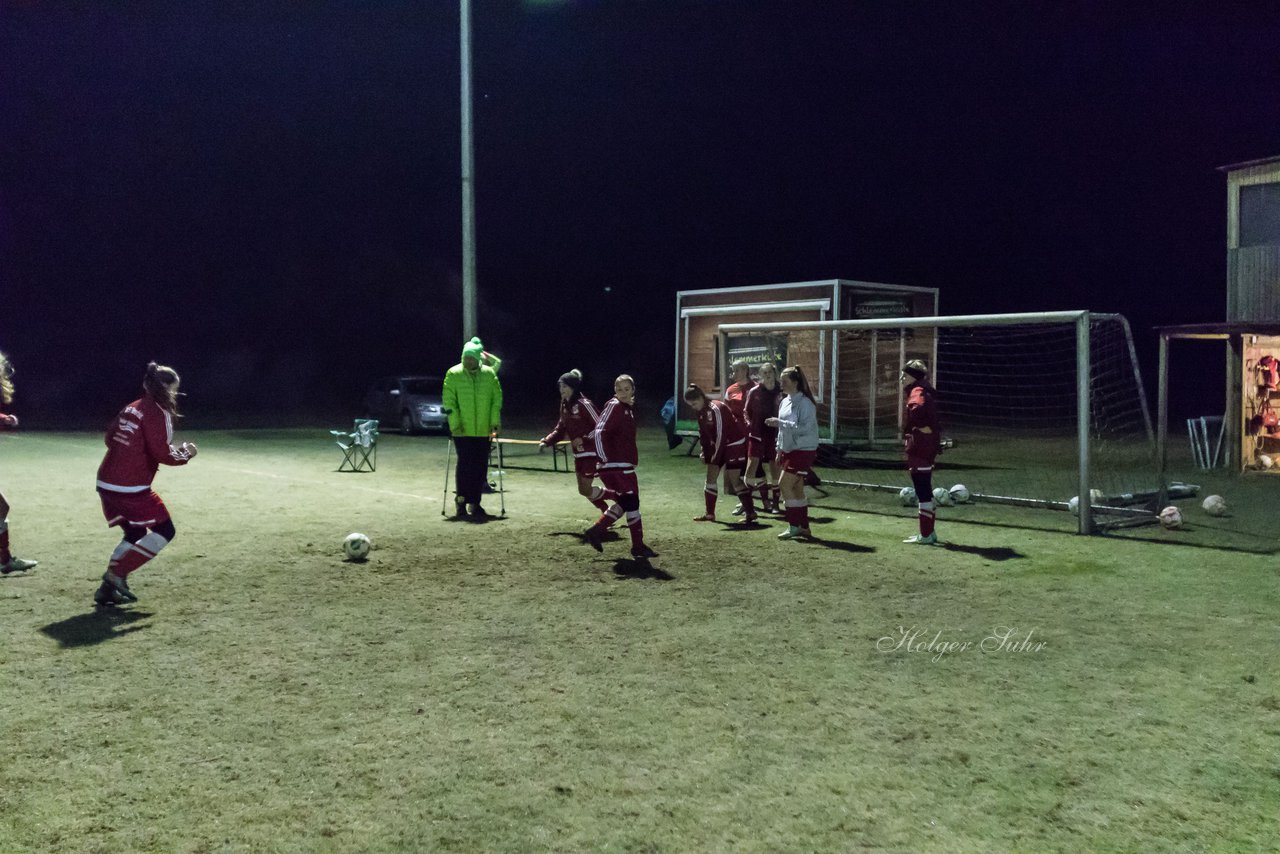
<point x="907" y="497"/>
<point x="960" y="494"/>
<point x="1171" y="517"/>
<point x="1265" y="461"/>
<point x="941" y="496"/>
<point x="356" y="546"/>
<point x="1215" y="505"/>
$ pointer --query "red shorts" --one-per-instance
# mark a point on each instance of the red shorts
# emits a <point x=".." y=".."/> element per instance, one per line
<point x="138" y="509"/>
<point x="797" y="462"/>
<point x="621" y="481"/>
<point x="922" y="450"/>
<point x="586" y="466"/>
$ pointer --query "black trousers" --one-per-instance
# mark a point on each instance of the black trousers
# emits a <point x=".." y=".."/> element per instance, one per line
<point x="470" y="477"/>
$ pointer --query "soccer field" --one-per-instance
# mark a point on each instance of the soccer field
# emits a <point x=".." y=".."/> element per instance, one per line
<point x="501" y="686"/>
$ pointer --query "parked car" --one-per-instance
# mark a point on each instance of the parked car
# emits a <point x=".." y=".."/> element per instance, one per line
<point x="411" y="403"/>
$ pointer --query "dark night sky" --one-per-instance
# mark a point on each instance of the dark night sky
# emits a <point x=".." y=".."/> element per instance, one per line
<point x="266" y="195"/>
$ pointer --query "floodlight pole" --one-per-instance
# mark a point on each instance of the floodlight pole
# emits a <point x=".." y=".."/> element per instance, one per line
<point x="468" y="184"/>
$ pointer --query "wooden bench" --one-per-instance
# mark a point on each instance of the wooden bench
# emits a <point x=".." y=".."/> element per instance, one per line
<point x="559" y="452"/>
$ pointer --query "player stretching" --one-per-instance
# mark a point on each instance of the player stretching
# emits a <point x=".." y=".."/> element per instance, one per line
<point x="615" y="441"/>
<point x="761" y="404"/>
<point x="724" y="446"/>
<point x="578" y="417"/>
<point x="735" y="394"/>
<point x="922" y="432"/>
<point x="8" y="563"/>
<point x="797" y="425"/>
<point x="138" y="442"/>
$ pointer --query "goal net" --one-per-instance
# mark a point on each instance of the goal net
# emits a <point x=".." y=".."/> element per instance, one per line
<point x="1037" y="408"/>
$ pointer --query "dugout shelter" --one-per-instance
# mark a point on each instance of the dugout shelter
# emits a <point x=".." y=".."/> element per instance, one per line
<point x="866" y="415"/>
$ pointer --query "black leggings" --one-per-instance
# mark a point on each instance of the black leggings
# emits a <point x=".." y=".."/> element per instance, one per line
<point x="133" y="533"/>
<point x="923" y="482"/>
<point x="470" y="477"/>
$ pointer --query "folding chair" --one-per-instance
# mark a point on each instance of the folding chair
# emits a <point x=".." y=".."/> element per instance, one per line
<point x="359" y="447"/>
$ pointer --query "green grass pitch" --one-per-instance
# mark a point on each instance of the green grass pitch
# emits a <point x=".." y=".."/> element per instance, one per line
<point x="501" y="686"/>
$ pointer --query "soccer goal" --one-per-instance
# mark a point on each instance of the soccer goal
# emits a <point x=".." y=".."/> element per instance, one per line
<point x="1038" y="408"/>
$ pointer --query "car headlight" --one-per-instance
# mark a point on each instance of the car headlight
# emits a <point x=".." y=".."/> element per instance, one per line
<point x="428" y="409"/>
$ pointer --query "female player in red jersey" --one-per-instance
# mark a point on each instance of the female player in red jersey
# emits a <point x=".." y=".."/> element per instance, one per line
<point x="8" y="563"/>
<point x="762" y="403"/>
<point x="578" y="417"/>
<point x="615" y="442"/>
<point x="724" y="446"/>
<point x="138" y="442"/>
<point x="922" y="438"/>
<point x="797" y="425"/>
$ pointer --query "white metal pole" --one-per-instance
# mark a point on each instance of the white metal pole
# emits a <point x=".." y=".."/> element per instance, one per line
<point x="468" y="184"/>
<point x="1083" y="420"/>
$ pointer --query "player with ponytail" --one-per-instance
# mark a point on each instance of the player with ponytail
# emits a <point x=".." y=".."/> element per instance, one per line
<point x="797" y="425"/>
<point x="578" y="417"/>
<point x="724" y="446"/>
<point x="8" y="563"/>
<point x="139" y="441"/>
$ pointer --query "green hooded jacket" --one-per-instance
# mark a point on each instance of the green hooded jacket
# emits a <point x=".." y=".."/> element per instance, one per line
<point x="473" y="400"/>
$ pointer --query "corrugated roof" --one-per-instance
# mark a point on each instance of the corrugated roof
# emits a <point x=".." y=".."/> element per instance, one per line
<point x="1246" y="164"/>
<point x="1235" y="327"/>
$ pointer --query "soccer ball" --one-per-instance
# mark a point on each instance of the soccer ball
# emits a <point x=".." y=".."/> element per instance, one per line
<point x="356" y="546"/>
<point x="1265" y="461"/>
<point x="907" y="497"/>
<point x="960" y="494"/>
<point x="941" y="497"/>
<point x="1074" y="505"/>
<point x="1171" y="517"/>
<point x="1215" y="505"/>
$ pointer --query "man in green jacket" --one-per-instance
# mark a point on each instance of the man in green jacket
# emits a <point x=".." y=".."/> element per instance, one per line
<point x="473" y="399"/>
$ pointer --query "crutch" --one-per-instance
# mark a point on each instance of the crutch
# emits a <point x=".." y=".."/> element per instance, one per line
<point x="502" y="493"/>
<point x="448" y="455"/>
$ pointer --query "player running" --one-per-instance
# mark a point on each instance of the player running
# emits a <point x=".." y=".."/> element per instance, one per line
<point x="797" y="426"/>
<point x="724" y="446"/>
<point x="578" y="417"/>
<point x="761" y="404"/>
<point x="8" y="563"/>
<point x="139" y="441"/>
<point x="615" y="443"/>
<point x="922" y="434"/>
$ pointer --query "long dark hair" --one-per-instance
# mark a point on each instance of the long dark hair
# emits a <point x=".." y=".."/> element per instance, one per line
<point x="694" y="392"/>
<point x="161" y="385"/>
<point x="802" y="382"/>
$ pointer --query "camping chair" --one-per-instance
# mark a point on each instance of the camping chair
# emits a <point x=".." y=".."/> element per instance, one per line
<point x="359" y="447"/>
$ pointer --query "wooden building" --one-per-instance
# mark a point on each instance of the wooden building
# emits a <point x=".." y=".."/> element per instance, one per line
<point x="699" y="359"/>
<point x="1251" y="334"/>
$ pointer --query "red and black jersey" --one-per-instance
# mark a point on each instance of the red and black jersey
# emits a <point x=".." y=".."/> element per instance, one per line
<point x="719" y="428"/>
<point x="922" y="410"/>
<point x="736" y="396"/>
<point x="578" y="417"/>
<point x="139" y="441"/>
<point x="761" y="403"/>
<point x="615" y="436"/>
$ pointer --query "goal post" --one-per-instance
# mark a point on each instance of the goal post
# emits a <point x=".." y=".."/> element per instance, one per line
<point x="1042" y="406"/>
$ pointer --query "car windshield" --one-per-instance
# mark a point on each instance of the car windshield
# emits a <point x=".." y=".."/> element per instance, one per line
<point x="422" y="385"/>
